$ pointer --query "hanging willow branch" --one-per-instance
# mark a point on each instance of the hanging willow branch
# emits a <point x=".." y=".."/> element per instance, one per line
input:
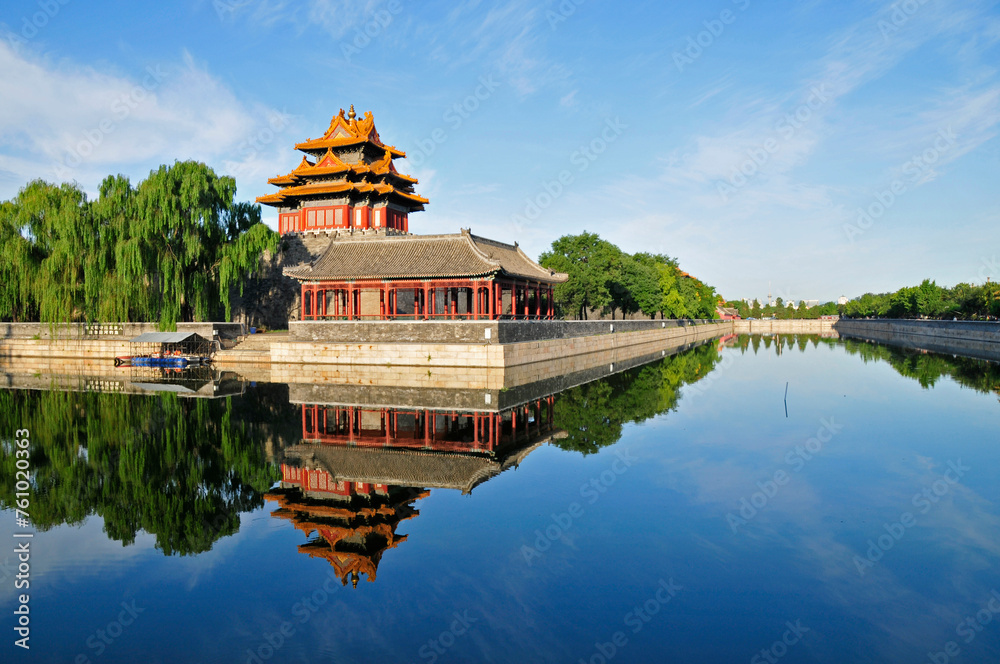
<point x="169" y="249"/>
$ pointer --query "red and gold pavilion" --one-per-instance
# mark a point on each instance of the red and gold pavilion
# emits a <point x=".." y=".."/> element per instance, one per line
<point x="350" y="182"/>
<point x="348" y="188"/>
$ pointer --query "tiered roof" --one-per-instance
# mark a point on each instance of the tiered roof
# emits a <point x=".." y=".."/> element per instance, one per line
<point x="423" y="256"/>
<point x="349" y="158"/>
<point x="351" y="533"/>
<point x="409" y="468"/>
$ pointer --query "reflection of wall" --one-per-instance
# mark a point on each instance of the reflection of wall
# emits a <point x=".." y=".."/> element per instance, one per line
<point x="974" y="339"/>
<point x="75" y="375"/>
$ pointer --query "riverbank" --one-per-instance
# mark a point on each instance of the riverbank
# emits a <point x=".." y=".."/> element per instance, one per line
<point x="438" y="354"/>
<point x="971" y="338"/>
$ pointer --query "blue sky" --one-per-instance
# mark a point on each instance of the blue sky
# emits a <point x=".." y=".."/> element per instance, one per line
<point x="743" y="137"/>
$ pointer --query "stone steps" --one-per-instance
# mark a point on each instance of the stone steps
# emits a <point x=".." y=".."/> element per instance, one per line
<point x="259" y="342"/>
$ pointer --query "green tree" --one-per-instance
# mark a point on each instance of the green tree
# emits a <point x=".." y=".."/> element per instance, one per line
<point x="592" y="266"/>
<point x="170" y="249"/>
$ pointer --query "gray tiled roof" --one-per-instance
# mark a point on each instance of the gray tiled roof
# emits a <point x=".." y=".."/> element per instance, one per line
<point x="415" y="468"/>
<point x="422" y="256"/>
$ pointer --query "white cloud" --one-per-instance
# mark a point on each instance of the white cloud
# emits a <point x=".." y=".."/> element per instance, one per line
<point x="66" y="121"/>
<point x="796" y="122"/>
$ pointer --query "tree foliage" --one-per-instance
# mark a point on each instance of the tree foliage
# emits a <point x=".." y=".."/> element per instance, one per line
<point x="171" y="248"/>
<point x="604" y="278"/>
<point x="928" y="300"/>
<point x="784" y="311"/>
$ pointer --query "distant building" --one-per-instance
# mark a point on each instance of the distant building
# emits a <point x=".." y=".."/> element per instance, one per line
<point x="727" y="313"/>
<point x="808" y="304"/>
<point x="842" y="300"/>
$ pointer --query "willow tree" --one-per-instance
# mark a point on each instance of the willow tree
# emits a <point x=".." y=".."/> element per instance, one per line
<point x="191" y="242"/>
<point x="170" y="249"/>
<point x="18" y="267"/>
<point x="42" y="249"/>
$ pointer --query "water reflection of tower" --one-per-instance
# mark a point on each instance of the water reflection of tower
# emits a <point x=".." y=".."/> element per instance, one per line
<point x="359" y="470"/>
<point x="354" y="522"/>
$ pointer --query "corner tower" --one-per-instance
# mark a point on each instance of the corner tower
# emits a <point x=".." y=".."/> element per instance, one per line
<point x="347" y="182"/>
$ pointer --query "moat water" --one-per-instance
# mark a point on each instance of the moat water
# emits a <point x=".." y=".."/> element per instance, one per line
<point x="790" y="499"/>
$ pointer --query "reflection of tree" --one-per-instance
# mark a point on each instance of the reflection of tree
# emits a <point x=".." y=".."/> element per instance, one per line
<point x="593" y="414"/>
<point x="181" y="469"/>
<point x="927" y="368"/>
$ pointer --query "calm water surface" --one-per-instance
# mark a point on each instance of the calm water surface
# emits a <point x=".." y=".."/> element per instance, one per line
<point x="683" y="511"/>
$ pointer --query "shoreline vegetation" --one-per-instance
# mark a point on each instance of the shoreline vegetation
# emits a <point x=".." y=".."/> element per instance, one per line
<point x="605" y="279"/>
<point x="168" y="249"/>
<point x="176" y="246"/>
<point x="930" y="301"/>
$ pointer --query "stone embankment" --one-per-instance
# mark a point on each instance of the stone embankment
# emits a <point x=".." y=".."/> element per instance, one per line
<point x="810" y="326"/>
<point x="439" y="354"/>
<point x="972" y="338"/>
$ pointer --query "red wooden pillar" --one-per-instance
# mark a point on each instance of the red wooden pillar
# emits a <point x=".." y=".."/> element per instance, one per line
<point x="427" y="289"/>
<point x="527" y="301"/>
<point x="381" y="301"/>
